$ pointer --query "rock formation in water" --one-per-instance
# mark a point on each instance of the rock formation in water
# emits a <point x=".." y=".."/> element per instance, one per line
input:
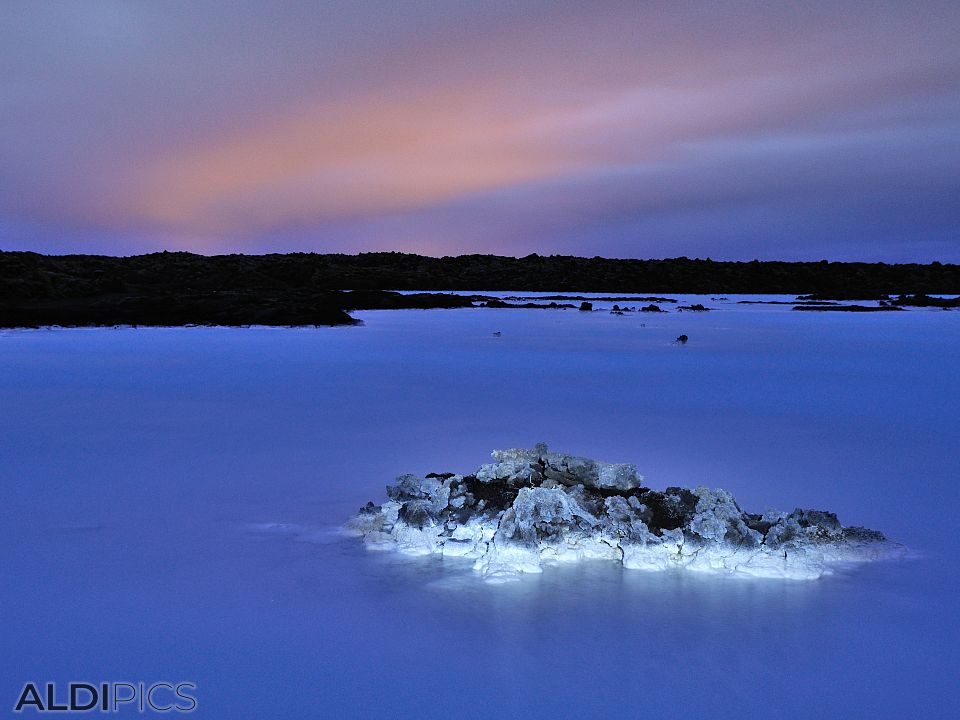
<point x="532" y="507"/>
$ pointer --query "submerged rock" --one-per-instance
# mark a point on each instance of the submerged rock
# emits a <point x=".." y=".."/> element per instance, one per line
<point x="534" y="507"/>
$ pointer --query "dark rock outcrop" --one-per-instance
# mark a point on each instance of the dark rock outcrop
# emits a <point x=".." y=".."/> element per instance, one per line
<point x="847" y="308"/>
<point x="925" y="301"/>
<point x="495" y="303"/>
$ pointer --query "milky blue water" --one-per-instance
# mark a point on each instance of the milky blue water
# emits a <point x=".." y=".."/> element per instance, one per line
<point x="137" y="467"/>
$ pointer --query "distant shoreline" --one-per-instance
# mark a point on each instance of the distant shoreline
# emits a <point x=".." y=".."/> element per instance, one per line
<point x="297" y="289"/>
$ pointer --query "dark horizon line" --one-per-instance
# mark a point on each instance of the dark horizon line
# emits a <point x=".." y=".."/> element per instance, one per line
<point x="529" y="256"/>
<point x="308" y="288"/>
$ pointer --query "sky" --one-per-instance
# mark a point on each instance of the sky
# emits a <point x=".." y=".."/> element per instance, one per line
<point x="730" y="130"/>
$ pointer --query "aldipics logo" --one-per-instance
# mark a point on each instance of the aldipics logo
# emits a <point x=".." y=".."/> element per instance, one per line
<point x="108" y="697"/>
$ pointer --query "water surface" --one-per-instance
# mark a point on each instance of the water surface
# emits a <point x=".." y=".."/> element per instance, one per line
<point x="138" y="466"/>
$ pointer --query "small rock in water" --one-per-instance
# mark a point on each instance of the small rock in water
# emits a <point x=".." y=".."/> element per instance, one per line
<point x="586" y="306"/>
<point x="681" y="340"/>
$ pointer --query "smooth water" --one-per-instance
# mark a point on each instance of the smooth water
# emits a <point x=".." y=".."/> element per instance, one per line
<point x="138" y="468"/>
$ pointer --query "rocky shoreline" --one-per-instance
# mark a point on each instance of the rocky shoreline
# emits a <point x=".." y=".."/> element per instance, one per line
<point x="531" y="508"/>
<point x="302" y="289"/>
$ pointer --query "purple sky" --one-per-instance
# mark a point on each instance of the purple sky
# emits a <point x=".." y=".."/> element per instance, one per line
<point x="735" y="130"/>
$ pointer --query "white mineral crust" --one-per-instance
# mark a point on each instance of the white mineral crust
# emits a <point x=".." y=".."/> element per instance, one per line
<point x="531" y="508"/>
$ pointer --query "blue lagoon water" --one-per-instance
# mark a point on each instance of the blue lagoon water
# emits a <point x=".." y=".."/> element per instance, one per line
<point x="169" y="500"/>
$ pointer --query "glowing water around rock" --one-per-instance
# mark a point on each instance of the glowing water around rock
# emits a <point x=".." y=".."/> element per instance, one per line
<point x="536" y="507"/>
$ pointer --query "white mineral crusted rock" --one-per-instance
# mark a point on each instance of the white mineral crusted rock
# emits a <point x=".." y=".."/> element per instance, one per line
<point x="531" y="508"/>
